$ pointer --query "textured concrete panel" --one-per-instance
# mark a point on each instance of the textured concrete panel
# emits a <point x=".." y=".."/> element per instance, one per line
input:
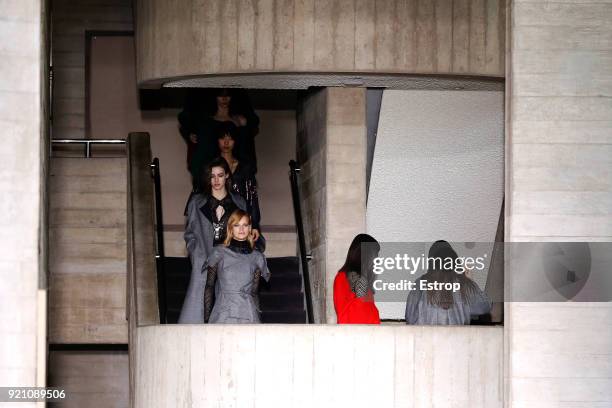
<point x="560" y="180"/>
<point x="314" y="365"/>
<point x="313" y="36"/>
<point x="22" y="169"/>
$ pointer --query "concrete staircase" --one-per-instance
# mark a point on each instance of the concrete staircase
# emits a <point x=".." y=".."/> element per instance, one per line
<point x="87" y="250"/>
<point x="88" y="332"/>
<point x="281" y="300"/>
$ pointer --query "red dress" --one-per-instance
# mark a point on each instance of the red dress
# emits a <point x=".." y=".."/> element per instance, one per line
<point x="350" y="308"/>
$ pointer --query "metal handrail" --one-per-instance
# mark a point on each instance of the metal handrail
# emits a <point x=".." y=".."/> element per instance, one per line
<point x="88" y="143"/>
<point x="159" y="232"/>
<point x="304" y="257"/>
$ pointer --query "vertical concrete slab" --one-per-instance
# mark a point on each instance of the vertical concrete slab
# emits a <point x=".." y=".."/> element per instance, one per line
<point x="332" y="152"/>
<point x="345" y="179"/>
<point x="559" y="188"/>
<point x="22" y="167"/>
<point x="310" y="154"/>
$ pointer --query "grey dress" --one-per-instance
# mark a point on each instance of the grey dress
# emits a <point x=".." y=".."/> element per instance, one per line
<point x="232" y="282"/>
<point x="199" y="235"/>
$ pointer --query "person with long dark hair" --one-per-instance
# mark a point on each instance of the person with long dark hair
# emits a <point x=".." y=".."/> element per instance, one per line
<point x="353" y="292"/>
<point x="243" y="179"/>
<point x="233" y="273"/>
<point x="207" y="216"/>
<point x="442" y="305"/>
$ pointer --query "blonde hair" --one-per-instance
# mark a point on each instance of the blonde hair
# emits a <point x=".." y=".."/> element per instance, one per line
<point x="233" y="220"/>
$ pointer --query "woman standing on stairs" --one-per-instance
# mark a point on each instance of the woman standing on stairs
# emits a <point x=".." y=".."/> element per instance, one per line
<point x="207" y="216"/>
<point x="235" y="267"/>
<point x="243" y="179"/>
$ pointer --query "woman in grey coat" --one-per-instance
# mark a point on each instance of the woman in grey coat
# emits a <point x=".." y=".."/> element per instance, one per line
<point x="442" y="306"/>
<point x="207" y="216"/>
<point x="233" y="272"/>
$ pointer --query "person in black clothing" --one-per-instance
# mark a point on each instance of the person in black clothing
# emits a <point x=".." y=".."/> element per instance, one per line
<point x="243" y="179"/>
<point x="199" y="123"/>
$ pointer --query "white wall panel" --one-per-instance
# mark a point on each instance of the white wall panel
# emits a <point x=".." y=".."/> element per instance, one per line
<point x="438" y="169"/>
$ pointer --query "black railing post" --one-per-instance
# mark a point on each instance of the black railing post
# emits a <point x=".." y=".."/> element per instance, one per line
<point x="159" y="231"/>
<point x="304" y="257"/>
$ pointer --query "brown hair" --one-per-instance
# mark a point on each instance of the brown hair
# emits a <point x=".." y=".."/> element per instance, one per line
<point x="233" y="220"/>
<point x="207" y="174"/>
<point x="468" y="289"/>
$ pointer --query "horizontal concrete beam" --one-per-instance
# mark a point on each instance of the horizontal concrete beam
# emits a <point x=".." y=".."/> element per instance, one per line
<point x="212" y="37"/>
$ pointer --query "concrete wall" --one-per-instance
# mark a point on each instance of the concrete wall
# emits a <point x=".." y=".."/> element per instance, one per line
<point x="438" y="171"/>
<point x="275" y="147"/>
<point x="71" y="19"/>
<point x="96" y="379"/>
<point x="88" y="250"/>
<point x="559" y="188"/>
<point x="314" y="365"/>
<point x="22" y="164"/>
<point x="313" y="36"/>
<point x="311" y="154"/>
<point x="332" y="154"/>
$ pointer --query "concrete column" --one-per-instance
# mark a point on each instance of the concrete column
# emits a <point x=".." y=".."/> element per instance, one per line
<point x="22" y="166"/>
<point x="331" y="148"/>
<point x="559" y="188"/>
<point x="345" y="212"/>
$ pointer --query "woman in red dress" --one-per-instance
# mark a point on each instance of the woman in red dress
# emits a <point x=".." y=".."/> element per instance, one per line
<point x="353" y="295"/>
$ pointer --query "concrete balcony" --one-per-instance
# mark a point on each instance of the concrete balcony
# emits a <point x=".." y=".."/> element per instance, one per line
<point x="201" y="39"/>
<point x="318" y="365"/>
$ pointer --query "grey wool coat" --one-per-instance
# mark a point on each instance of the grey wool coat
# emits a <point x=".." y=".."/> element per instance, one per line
<point x="199" y="240"/>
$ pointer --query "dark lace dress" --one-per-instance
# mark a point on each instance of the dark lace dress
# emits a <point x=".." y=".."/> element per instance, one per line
<point x="219" y="224"/>
<point x="245" y="185"/>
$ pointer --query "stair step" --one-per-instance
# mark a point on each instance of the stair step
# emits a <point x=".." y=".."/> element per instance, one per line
<point x="80" y="166"/>
<point x="110" y="251"/>
<point x="280" y="244"/>
<point x="283" y="265"/>
<point x="282" y="284"/>
<point x="175" y="266"/>
<point x="298" y="316"/>
<point x="113" y="183"/>
<point x="86" y="265"/>
<point x="64" y="235"/>
<point x="88" y="200"/>
<point x="281" y="301"/>
<point x="290" y="316"/>
<point x="107" y="218"/>
<point x="172" y="316"/>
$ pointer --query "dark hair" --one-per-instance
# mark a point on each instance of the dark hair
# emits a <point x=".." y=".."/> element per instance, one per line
<point x="438" y="254"/>
<point x="441" y="249"/>
<point x="207" y="174"/>
<point x="225" y="128"/>
<point x="353" y="256"/>
<point x="223" y="92"/>
<point x="194" y="104"/>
